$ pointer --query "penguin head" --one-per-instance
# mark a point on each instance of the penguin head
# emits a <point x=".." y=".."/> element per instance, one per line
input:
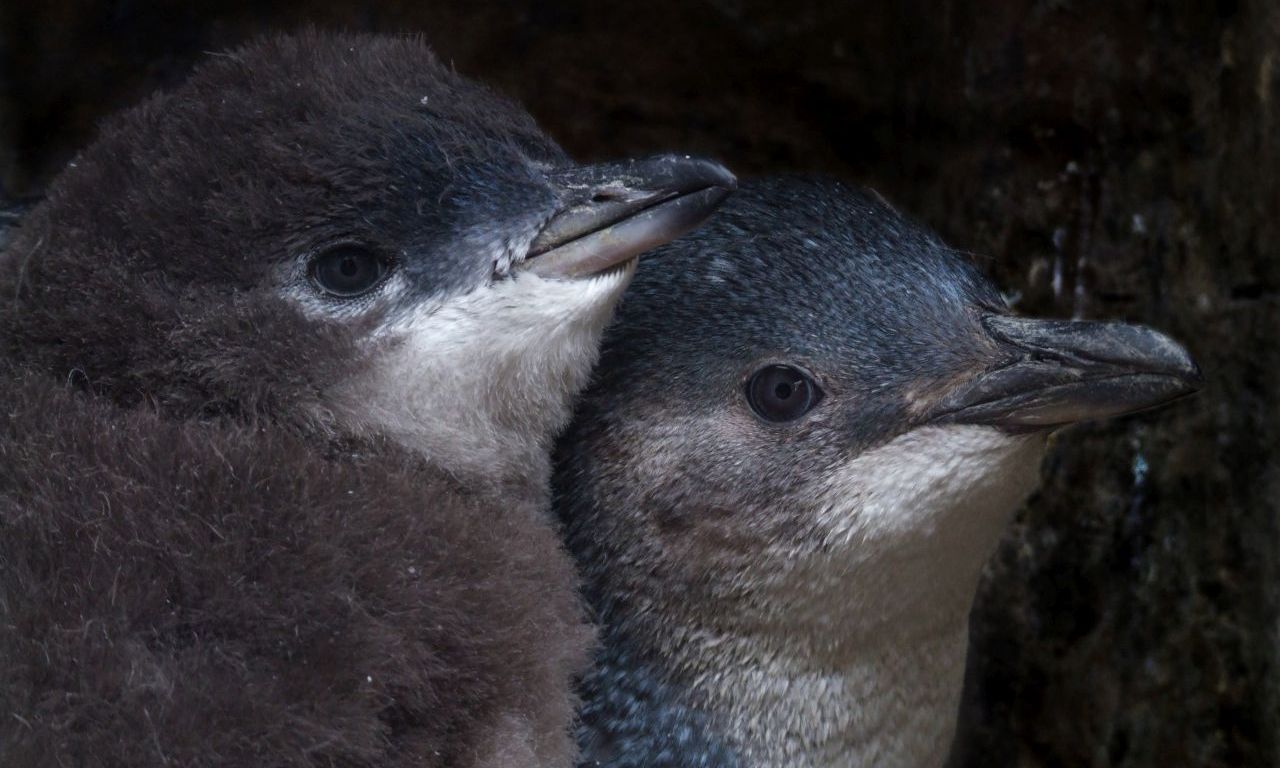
<point x="338" y="232"/>
<point x="812" y="405"/>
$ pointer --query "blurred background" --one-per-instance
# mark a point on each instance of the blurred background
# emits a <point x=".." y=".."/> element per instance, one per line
<point x="1102" y="159"/>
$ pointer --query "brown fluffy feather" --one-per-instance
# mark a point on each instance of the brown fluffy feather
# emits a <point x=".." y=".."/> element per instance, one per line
<point x="205" y="594"/>
<point x="196" y="567"/>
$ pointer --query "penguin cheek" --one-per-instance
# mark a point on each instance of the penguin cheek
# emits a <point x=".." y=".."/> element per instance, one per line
<point x="931" y="483"/>
<point x="732" y="511"/>
<point x="714" y="547"/>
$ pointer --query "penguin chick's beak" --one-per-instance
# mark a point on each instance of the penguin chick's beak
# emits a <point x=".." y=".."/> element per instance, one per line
<point x="613" y="212"/>
<point x="1067" y="371"/>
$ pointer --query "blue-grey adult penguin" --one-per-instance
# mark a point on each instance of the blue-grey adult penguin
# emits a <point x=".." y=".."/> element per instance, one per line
<point x="808" y="429"/>
<point x="283" y="353"/>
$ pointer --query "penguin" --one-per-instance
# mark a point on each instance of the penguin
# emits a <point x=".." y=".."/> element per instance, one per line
<point x="282" y="355"/>
<point x="806" y="433"/>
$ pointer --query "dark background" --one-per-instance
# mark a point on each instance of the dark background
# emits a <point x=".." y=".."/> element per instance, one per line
<point x="1103" y="159"/>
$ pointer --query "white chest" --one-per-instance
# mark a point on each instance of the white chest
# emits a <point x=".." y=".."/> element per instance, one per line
<point x="854" y="650"/>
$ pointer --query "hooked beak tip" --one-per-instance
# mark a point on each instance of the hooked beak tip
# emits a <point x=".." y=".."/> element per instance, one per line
<point x="1062" y="372"/>
<point x="618" y="211"/>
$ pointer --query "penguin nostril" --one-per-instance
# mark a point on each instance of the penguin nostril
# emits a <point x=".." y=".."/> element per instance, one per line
<point x="613" y="193"/>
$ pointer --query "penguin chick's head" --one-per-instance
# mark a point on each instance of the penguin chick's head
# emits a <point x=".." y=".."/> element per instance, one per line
<point x="338" y="231"/>
<point x="809" y="423"/>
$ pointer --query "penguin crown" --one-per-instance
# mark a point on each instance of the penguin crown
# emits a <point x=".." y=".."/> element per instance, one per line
<point x="316" y="229"/>
<point x="322" y="168"/>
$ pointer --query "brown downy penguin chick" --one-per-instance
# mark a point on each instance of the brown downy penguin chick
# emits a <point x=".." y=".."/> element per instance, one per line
<point x="806" y="433"/>
<point x="283" y="355"/>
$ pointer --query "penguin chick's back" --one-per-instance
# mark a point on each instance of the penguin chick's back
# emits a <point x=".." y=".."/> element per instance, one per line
<point x="204" y="594"/>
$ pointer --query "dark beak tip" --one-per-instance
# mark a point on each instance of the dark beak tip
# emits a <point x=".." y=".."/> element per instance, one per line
<point x="616" y="211"/>
<point x="1169" y="358"/>
<point x="683" y="173"/>
<point x="1192" y="377"/>
<point x="710" y="173"/>
<point x="1066" y="371"/>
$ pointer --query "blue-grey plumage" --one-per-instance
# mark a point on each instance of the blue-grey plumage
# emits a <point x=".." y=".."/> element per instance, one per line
<point x="810" y="423"/>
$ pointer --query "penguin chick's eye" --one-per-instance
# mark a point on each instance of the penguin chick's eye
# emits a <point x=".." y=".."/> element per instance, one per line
<point x="782" y="393"/>
<point x="347" y="271"/>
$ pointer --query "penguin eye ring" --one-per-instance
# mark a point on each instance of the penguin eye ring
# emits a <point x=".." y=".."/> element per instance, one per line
<point x="348" y="270"/>
<point x="780" y="393"/>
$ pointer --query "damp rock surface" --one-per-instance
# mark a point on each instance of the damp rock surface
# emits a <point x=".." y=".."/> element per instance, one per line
<point x="1100" y="159"/>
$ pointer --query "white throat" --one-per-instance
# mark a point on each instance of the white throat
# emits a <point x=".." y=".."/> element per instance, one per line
<point x="853" y="650"/>
<point x="481" y="383"/>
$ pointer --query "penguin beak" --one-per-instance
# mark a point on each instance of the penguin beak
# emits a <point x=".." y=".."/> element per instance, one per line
<point x="1059" y="372"/>
<point x="613" y="212"/>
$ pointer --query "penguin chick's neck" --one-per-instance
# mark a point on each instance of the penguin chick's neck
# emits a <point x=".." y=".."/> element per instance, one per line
<point x="481" y="383"/>
<point x="851" y="651"/>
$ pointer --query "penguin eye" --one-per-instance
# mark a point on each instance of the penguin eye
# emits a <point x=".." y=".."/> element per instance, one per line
<point x="782" y="393"/>
<point x="348" y="270"/>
